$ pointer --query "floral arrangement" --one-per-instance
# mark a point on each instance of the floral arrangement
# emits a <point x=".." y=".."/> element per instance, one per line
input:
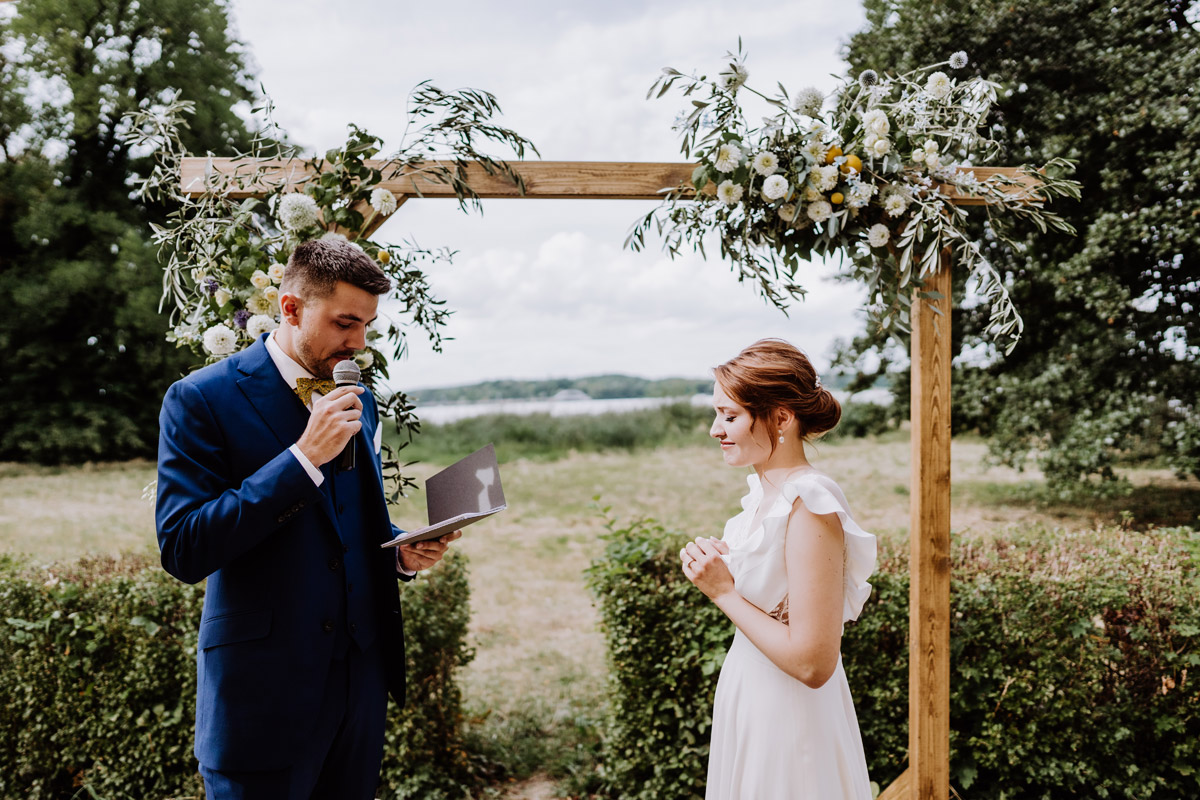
<point x="224" y="258"/>
<point x="870" y="172"/>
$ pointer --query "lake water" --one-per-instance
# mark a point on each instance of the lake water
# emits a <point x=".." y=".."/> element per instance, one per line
<point x="439" y="414"/>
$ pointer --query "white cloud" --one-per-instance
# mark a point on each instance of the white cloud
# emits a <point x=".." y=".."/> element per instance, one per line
<point x="541" y="287"/>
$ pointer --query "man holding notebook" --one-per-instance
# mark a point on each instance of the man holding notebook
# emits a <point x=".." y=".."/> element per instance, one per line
<point x="301" y="638"/>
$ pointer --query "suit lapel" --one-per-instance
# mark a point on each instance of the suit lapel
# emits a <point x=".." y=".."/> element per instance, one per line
<point x="278" y="406"/>
<point x="366" y="444"/>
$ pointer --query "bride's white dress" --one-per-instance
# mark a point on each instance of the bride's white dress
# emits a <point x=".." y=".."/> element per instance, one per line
<point x="774" y="738"/>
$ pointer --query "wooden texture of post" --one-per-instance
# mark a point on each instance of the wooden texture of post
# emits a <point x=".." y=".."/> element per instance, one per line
<point x="929" y="539"/>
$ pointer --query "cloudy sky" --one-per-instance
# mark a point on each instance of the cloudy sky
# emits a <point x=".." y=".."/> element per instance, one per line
<point x="543" y="288"/>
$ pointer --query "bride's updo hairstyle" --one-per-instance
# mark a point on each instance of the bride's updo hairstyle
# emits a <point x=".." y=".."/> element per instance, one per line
<point x="772" y="374"/>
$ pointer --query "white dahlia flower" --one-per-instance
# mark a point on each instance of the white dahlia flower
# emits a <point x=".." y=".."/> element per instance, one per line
<point x="729" y="155"/>
<point x="895" y="203"/>
<point x="774" y="187"/>
<point x="297" y="211"/>
<point x="766" y="163"/>
<point x="259" y="324"/>
<point x="878" y="235"/>
<point x="729" y="193"/>
<point x="383" y="201"/>
<point x="220" y="340"/>
<point x="938" y="85"/>
<point x="820" y="211"/>
<point x="825" y="177"/>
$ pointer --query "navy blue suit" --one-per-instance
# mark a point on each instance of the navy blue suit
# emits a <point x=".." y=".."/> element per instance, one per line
<point x="295" y="573"/>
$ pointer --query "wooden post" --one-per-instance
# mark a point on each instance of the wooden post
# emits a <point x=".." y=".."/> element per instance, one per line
<point x="929" y="539"/>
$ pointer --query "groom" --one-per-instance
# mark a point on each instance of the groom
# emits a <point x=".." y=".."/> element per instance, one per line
<point x="301" y="638"/>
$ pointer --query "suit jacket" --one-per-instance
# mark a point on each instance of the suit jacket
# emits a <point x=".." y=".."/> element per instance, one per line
<point x="236" y="507"/>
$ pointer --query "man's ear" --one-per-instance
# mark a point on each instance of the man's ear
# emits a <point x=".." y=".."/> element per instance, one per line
<point x="290" y="307"/>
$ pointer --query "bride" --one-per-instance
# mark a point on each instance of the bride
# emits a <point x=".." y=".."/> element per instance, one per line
<point x="789" y="571"/>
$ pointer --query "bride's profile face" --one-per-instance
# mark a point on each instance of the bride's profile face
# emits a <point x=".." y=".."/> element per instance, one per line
<point x="741" y="446"/>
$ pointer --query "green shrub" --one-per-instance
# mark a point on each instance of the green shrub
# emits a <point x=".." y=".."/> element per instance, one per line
<point x="1075" y="661"/>
<point x="98" y="677"/>
<point x="863" y="419"/>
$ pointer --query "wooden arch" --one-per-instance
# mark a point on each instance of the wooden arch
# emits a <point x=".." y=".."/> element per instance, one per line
<point x="928" y="773"/>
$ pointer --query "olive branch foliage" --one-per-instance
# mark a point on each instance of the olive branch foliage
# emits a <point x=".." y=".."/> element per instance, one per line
<point x="892" y="185"/>
<point x="213" y="245"/>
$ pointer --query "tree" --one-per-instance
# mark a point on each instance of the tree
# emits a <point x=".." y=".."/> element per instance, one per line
<point x="81" y="342"/>
<point x="1107" y="369"/>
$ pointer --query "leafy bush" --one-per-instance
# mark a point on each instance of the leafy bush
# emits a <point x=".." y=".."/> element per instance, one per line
<point x="665" y="648"/>
<point x="99" y="681"/>
<point x="1070" y="657"/>
<point x="863" y="419"/>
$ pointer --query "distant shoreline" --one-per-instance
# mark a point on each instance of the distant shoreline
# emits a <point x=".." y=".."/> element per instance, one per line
<point x="595" y="387"/>
<point x="444" y="413"/>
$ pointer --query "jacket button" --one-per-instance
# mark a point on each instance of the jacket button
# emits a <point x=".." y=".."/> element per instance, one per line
<point x="327" y="626"/>
<point x="353" y="628"/>
<point x="341" y="508"/>
<point x="334" y="564"/>
<point x="345" y="548"/>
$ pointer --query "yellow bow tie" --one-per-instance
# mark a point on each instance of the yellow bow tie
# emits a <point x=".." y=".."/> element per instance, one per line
<point x="306" y="386"/>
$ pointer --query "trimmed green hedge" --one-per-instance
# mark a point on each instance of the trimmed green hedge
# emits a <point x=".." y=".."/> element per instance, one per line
<point x="1075" y="666"/>
<point x="98" y="677"/>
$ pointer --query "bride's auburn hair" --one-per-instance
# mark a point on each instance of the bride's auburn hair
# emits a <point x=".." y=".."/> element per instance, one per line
<point x="772" y="374"/>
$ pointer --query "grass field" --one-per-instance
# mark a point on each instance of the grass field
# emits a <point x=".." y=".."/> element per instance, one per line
<point x="537" y="679"/>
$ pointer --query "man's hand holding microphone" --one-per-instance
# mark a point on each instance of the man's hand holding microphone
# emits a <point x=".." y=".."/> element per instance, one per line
<point x="335" y="420"/>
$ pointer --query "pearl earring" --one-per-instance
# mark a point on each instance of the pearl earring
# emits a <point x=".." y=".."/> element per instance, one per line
<point x="781" y="437"/>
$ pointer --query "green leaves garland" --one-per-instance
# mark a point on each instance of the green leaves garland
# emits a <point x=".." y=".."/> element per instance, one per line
<point x="864" y="173"/>
<point x="223" y="258"/>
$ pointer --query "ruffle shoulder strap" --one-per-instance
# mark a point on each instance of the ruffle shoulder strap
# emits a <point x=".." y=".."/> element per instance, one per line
<point x="821" y="495"/>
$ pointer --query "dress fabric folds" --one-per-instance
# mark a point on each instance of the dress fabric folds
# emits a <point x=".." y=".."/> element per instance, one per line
<point x="774" y="738"/>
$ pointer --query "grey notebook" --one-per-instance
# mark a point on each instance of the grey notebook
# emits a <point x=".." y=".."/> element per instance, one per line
<point x="464" y="492"/>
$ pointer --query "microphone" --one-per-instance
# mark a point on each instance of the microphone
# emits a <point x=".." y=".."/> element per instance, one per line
<point x="346" y="373"/>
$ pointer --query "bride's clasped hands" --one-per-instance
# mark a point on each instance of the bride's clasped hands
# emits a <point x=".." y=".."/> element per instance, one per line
<point x="704" y="566"/>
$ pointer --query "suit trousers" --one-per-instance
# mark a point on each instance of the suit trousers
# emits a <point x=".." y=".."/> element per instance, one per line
<point x="341" y="758"/>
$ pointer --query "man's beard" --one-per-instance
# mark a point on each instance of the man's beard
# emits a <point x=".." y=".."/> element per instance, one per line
<point x="319" y="367"/>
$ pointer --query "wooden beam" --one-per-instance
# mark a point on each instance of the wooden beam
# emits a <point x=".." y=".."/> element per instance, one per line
<point x="543" y="179"/>
<point x="594" y="180"/>
<point x="899" y="789"/>
<point x="929" y="540"/>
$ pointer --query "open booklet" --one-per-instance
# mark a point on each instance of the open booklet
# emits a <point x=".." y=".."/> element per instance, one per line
<point x="464" y="492"/>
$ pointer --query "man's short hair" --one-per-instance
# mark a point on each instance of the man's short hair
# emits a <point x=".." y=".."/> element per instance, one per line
<point x="314" y="269"/>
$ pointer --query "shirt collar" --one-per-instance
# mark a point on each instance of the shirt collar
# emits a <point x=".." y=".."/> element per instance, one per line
<point x="288" y="367"/>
